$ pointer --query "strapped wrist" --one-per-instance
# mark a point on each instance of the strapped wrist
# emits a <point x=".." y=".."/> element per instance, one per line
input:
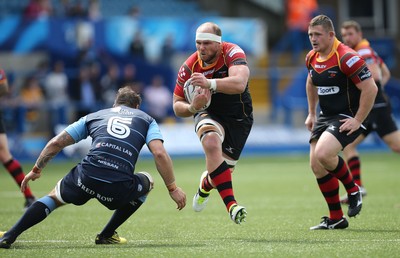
<point x="36" y="170"/>
<point x="171" y="187"/>
<point x="192" y="109"/>
<point x="213" y="84"/>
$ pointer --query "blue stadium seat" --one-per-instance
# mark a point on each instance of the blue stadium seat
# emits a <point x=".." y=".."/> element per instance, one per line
<point x="392" y="89"/>
<point x="386" y="48"/>
<point x="109" y="8"/>
<point x="294" y="97"/>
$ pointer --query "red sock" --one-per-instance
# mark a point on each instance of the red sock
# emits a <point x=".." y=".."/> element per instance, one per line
<point x="222" y="179"/>
<point x="14" y="168"/>
<point x="329" y="187"/>
<point x="354" y="166"/>
<point x="206" y="185"/>
<point x="342" y="173"/>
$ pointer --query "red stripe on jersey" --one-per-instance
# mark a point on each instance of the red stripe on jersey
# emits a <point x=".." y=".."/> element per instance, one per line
<point x="231" y="55"/>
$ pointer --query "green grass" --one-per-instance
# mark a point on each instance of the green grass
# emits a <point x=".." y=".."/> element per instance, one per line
<point x="280" y="194"/>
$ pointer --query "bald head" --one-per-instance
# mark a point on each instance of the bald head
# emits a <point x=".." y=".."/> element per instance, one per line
<point x="209" y="27"/>
<point x="209" y="32"/>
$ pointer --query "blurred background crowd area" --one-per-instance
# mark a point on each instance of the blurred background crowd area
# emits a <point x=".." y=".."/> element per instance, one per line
<point x="66" y="58"/>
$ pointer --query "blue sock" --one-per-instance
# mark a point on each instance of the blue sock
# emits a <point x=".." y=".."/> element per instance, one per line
<point x="120" y="216"/>
<point x="37" y="212"/>
<point x="49" y="202"/>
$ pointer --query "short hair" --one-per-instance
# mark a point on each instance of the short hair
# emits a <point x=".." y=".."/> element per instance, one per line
<point x="351" y="24"/>
<point x="324" y="21"/>
<point x="128" y="97"/>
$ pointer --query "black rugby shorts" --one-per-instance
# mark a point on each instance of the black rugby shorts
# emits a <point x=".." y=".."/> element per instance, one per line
<point x="331" y="124"/>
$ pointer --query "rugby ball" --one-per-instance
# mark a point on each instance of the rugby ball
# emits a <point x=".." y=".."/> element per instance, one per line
<point x="191" y="91"/>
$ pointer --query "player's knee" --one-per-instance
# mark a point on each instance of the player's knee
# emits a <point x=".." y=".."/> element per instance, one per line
<point x="56" y="194"/>
<point x="315" y="167"/>
<point x="146" y="180"/>
<point x="57" y="201"/>
<point x="324" y="156"/>
<point x="395" y="147"/>
<point x="321" y="157"/>
<point x="211" y="142"/>
<point x="147" y="183"/>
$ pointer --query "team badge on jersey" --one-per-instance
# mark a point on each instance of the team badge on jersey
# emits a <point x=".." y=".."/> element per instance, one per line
<point x="352" y="61"/>
<point x="182" y="72"/>
<point x="332" y="74"/>
<point x="328" y="90"/>
<point x="364" y="74"/>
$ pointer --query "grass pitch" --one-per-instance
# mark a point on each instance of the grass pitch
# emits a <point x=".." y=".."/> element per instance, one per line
<point x="279" y="193"/>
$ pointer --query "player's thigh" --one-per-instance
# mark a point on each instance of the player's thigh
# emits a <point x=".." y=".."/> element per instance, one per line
<point x="205" y="124"/>
<point x="71" y="189"/>
<point x="393" y="141"/>
<point x="327" y="149"/>
<point x="384" y="123"/>
<point x="351" y="149"/>
<point x="236" y="136"/>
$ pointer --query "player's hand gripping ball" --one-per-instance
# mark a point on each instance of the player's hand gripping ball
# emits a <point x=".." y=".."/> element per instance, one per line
<point x="191" y="91"/>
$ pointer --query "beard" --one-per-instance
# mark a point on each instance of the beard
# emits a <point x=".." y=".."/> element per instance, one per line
<point x="210" y="59"/>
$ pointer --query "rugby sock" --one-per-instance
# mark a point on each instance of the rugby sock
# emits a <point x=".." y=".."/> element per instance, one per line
<point x="14" y="168"/>
<point x="329" y="187"/>
<point x="206" y="185"/>
<point x="37" y="212"/>
<point x="342" y="173"/>
<point x="222" y="179"/>
<point x="120" y="216"/>
<point x="354" y="166"/>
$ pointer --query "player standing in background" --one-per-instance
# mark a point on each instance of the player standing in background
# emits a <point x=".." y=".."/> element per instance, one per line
<point x="220" y="68"/>
<point x="11" y="164"/>
<point x="341" y="82"/>
<point x="107" y="171"/>
<point x="380" y="119"/>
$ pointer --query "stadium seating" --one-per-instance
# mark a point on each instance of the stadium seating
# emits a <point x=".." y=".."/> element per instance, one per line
<point x="109" y="8"/>
<point x="294" y="98"/>
<point x="385" y="47"/>
<point x="154" y="8"/>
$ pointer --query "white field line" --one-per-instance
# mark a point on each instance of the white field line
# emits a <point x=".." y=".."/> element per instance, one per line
<point x="152" y="241"/>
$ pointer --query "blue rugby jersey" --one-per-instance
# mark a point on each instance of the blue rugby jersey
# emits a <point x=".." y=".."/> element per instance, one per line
<point x="118" y="134"/>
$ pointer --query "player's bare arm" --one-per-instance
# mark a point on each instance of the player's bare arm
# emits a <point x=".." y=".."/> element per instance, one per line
<point x="385" y="74"/>
<point x="163" y="161"/>
<point x="375" y="71"/>
<point x="164" y="167"/>
<point x="368" y="90"/>
<point x="312" y="99"/>
<point x="181" y="107"/>
<point x="235" y="83"/>
<point x="53" y="147"/>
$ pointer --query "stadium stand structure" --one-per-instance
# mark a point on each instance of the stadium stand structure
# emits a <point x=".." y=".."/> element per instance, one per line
<point x="121" y="7"/>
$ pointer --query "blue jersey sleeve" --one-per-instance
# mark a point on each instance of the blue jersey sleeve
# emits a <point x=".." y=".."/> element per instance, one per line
<point x="77" y="130"/>
<point x="153" y="133"/>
